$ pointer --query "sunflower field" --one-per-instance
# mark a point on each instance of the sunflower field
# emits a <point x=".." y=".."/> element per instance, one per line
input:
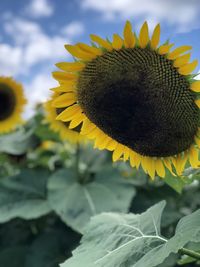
<point x="106" y="173"/>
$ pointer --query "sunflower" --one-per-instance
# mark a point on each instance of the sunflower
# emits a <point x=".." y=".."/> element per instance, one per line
<point x="134" y="97"/>
<point x="64" y="129"/>
<point x="12" y="102"/>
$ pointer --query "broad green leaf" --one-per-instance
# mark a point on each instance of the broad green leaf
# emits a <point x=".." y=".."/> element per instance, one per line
<point x="113" y="239"/>
<point x="177" y="182"/>
<point x="24" y="195"/>
<point x="18" y="142"/>
<point x="75" y="203"/>
<point x="118" y="240"/>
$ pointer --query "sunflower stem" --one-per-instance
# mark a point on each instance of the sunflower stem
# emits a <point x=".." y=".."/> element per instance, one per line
<point x="191" y="253"/>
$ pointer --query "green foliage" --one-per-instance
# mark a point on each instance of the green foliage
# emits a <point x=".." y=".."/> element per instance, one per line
<point x="37" y="243"/>
<point x="51" y="192"/>
<point x="113" y="239"/>
<point x="76" y="202"/>
<point x="24" y="195"/>
<point x="177" y="182"/>
<point x="18" y="142"/>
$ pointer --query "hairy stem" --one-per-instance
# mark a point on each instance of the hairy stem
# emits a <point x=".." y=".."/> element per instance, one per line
<point x="190" y="253"/>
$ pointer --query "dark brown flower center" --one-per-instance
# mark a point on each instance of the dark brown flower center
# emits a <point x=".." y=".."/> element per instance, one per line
<point x="7" y="101"/>
<point x="139" y="99"/>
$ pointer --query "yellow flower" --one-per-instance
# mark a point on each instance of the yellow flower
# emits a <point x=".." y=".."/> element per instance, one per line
<point x="62" y="128"/>
<point x="135" y="98"/>
<point x="12" y="102"/>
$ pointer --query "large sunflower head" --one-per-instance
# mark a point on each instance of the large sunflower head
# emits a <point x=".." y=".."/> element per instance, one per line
<point x="135" y="98"/>
<point x="12" y="102"/>
<point x="66" y="130"/>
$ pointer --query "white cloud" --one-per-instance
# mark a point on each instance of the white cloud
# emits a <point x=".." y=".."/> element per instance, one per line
<point x="73" y="29"/>
<point x="47" y="49"/>
<point x="31" y="46"/>
<point x="10" y="60"/>
<point x="198" y="75"/>
<point x="180" y="13"/>
<point x="30" y="51"/>
<point x="22" y="31"/>
<point x="37" y="91"/>
<point x="39" y="8"/>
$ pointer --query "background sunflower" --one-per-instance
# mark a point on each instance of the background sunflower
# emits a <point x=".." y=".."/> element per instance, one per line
<point x="64" y="129"/>
<point x="12" y="103"/>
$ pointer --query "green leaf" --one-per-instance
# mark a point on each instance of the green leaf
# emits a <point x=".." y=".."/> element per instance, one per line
<point x="24" y="195"/>
<point x="177" y="182"/>
<point x="18" y="142"/>
<point x="75" y="203"/>
<point x="118" y="240"/>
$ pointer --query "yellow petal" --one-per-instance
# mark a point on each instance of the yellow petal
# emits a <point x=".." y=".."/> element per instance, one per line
<point x="105" y="44"/>
<point x="143" y="164"/>
<point x="151" y="168"/>
<point x="194" y="157"/>
<point x="138" y="159"/>
<point x="70" y="66"/>
<point x="181" y="61"/>
<point x="63" y="76"/>
<point x="195" y="86"/>
<point x="64" y="88"/>
<point x="99" y="140"/>
<point x="144" y="35"/>
<point x="99" y="136"/>
<point x="155" y="39"/>
<point x="160" y="169"/>
<point x="76" y="121"/>
<point x="77" y="52"/>
<point x="135" y="159"/>
<point x="117" y="152"/>
<point x="181" y="161"/>
<point x="197" y="102"/>
<point x="68" y="112"/>
<point x="117" y="42"/>
<point x="126" y="153"/>
<point x="164" y="49"/>
<point x="90" y="49"/>
<point x="87" y="127"/>
<point x="188" y="68"/>
<point x="148" y="165"/>
<point x="93" y="133"/>
<point x="197" y="141"/>
<point x="132" y="158"/>
<point x="129" y="37"/>
<point x="112" y="145"/>
<point x="178" y="51"/>
<point x="104" y="143"/>
<point x="64" y="100"/>
<point x="168" y="165"/>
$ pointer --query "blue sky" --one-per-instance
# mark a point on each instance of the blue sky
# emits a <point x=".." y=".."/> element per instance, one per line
<point x="33" y="32"/>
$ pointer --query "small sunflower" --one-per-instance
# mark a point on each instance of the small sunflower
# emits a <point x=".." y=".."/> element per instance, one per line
<point x="64" y="129"/>
<point x="135" y="98"/>
<point x="12" y="102"/>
